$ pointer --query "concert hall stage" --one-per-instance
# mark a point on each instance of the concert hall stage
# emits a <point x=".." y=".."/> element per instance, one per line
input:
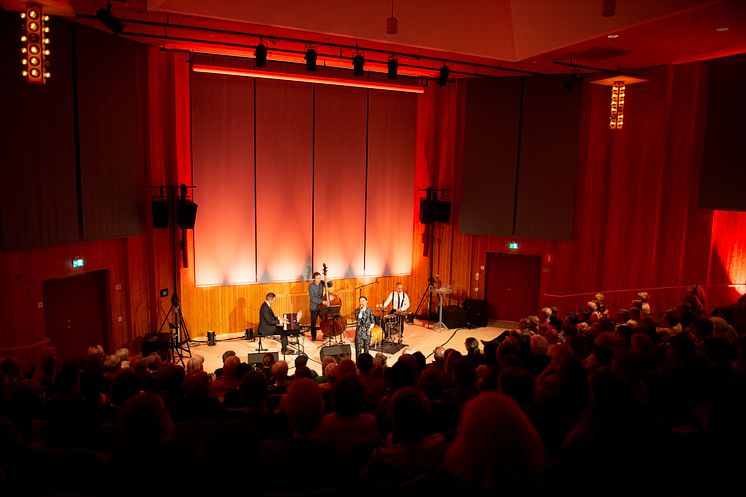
<point x="416" y="336"/>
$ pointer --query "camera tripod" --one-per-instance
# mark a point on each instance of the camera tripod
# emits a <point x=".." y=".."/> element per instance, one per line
<point x="179" y="343"/>
<point x="426" y="293"/>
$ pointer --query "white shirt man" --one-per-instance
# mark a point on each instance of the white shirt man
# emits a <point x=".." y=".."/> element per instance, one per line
<point x="398" y="299"/>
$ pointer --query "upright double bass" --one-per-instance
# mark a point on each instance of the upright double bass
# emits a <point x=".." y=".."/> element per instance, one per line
<point x="332" y="322"/>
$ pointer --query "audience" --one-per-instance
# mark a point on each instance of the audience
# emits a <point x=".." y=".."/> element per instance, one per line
<point x="581" y="404"/>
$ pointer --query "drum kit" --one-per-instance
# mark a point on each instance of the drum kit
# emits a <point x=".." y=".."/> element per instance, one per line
<point x="388" y="328"/>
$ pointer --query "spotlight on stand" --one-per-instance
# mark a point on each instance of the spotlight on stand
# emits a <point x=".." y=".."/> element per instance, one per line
<point x="358" y="61"/>
<point x="393" y="67"/>
<point x="261" y="55"/>
<point x="443" y="77"/>
<point x="109" y="20"/>
<point x="310" y="60"/>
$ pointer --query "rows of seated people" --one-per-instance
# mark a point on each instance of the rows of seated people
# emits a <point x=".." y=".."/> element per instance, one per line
<point x="582" y="403"/>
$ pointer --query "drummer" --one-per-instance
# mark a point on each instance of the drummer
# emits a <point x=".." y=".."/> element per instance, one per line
<point x="399" y="301"/>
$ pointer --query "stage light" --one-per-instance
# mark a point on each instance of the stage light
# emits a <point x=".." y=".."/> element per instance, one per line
<point x="393" y="67"/>
<point x="35" y="32"/>
<point x="444" y="73"/>
<point x="261" y="55"/>
<point x="616" y="120"/>
<point x="310" y="60"/>
<point x="109" y="20"/>
<point x="358" y="61"/>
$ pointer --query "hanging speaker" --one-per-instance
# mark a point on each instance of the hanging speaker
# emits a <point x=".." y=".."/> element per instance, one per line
<point x="442" y="212"/>
<point x="186" y="213"/>
<point x="427" y="211"/>
<point x="160" y="213"/>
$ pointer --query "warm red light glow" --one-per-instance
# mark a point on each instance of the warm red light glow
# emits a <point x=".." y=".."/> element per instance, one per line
<point x="250" y="73"/>
<point x="729" y="242"/>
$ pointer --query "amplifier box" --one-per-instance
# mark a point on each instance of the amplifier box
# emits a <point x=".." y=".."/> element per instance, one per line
<point x="454" y="316"/>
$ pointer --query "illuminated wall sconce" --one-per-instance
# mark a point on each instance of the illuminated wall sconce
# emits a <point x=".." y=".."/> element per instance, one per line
<point x="35" y="49"/>
<point x="618" y="93"/>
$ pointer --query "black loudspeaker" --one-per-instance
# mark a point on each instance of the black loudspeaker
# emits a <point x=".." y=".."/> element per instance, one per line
<point x="160" y="213"/>
<point x="339" y="352"/>
<point x="256" y="359"/>
<point x="427" y="211"/>
<point x="476" y="313"/>
<point x="437" y="211"/>
<point x="454" y="316"/>
<point x="442" y="211"/>
<point x="186" y="213"/>
<point x="158" y="343"/>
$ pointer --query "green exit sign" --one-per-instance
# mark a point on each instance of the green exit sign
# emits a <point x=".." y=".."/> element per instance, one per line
<point x="513" y="245"/>
<point x="78" y="263"/>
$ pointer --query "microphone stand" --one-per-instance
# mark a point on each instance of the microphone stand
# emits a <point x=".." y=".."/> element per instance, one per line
<point x="360" y="294"/>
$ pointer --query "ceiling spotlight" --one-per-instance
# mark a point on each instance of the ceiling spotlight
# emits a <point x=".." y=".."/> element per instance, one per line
<point x="357" y="64"/>
<point x="310" y="59"/>
<point x="612" y="36"/>
<point x="393" y="68"/>
<point x="107" y="19"/>
<point x="444" y="73"/>
<point x="261" y="55"/>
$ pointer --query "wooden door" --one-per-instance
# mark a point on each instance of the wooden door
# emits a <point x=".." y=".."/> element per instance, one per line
<point x="512" y="286"/>
<point x="75" y="313"/>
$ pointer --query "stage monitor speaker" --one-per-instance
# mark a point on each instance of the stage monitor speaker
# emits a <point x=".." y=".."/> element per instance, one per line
<point x="454" y="316"/>
<point x="186" y="214"/>
<point x="256" y="359"/>
<point x="476" y="313"/>
<point x="160" y="213"/>
<point x="158" y="343"/>
<point x="339" y="352"/>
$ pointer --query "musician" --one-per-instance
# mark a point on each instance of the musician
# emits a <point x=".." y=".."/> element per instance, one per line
<point x="316" y="296"/>
<point x="399" y="301"/>
<point x="269" y="324"/>
<point x="365" y="324"/>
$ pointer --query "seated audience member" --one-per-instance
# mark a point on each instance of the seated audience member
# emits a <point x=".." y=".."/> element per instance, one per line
<point x="267" y="361"/>
<point x="410" y="451"/>
<point x="539" y="359"/>
<point x="472" y="351"/>
<point x="303" y="405"/>
<point x="380" y="360"/>
<point x="518" y="384"/>
<point x="219" y="372"/>
<point x="196" y="405"/>
<point x="280" y="380"/>
<point x="347" y="425"/>
<point x="497" y="451"/>
<point x="195" y="363"/>
<point x="329" y="359"/>
<point x="228" y="380"/>
<point x="302" y="361"/>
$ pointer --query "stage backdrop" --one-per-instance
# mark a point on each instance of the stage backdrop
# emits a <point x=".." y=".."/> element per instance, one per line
<point x="292" y="175"/>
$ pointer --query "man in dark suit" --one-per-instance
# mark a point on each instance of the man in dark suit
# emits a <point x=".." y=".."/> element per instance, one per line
<point x="269" y="324"/>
